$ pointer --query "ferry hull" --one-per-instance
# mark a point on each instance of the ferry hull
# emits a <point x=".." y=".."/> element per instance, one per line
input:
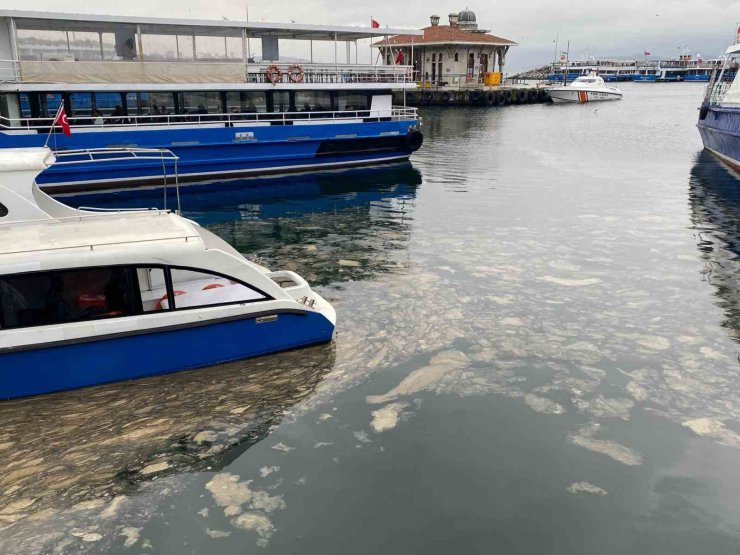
<point x="152" y="352"/>
<point x="720" y="133"/>
<point x="223" y="152"/>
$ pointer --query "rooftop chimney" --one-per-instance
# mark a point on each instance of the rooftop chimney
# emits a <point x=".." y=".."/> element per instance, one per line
<point x="453" y="19"/>
<point x="435" y="20"/>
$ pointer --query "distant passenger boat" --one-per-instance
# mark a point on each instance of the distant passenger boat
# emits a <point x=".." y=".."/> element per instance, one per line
<point x="608" y="70"/>
<point x="590" y="88"/>
<point x="93" y="297"/>
<point x="719" y="115"/>
<point x="192" y="87"/>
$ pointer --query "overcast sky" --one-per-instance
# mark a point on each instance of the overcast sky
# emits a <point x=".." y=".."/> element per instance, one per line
<point x="600" y="28"/>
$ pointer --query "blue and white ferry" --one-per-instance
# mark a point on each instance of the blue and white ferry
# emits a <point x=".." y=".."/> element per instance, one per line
<point x="90" y="297"/>
<point x="611" y="71"/>
<point x="198" y="88"/>
<point x="719" y="115"/>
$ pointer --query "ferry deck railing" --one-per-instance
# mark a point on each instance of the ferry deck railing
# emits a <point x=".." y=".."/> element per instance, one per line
<point x="236" y="120"/>
<point x="330" y="73"/>
<point x="163" y="156"/>
<point x="253" y="72"/>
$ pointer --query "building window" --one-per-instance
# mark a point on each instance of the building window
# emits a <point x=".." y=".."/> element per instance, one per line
<point x="434" y="58"/>
<point x="457" y="57"/>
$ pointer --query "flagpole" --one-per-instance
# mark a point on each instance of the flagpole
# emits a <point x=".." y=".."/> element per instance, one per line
<point x="54" y="123"/>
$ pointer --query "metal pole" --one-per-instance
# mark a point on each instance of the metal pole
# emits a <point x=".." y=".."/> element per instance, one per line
<point x="139" y="43"/>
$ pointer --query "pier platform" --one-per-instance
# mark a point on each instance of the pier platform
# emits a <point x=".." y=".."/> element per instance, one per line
<point x="490" y="96"/>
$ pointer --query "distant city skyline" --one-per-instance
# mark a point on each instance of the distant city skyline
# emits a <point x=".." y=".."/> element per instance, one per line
<point x="614" y="28"/>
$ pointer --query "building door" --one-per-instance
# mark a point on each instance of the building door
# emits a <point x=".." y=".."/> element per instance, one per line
<point x="434" y="68"/>
<point x="439" y="67"/>
<point x="471" y="66"/>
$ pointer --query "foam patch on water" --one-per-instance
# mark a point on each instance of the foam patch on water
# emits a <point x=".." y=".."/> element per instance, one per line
<point x="584" y="437"/>
<point x="586" y="487"/>
<point x="543" y="405"/>
<point x="714" y="429"/>
<point x="570" y="282"/>
<point x="256" y="522"/>
<point x="387" y="418"/>
<point x="423" y="378"/>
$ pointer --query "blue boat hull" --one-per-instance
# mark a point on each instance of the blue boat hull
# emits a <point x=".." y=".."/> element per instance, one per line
<point x="645" y="78"/>
<point x="151" y="352"/>
<point x="221" y="152"/>
<point x="720" y="132"/>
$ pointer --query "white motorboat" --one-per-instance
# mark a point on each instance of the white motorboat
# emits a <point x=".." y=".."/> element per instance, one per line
<point x="588" y="88"/>
<point x="95" y="297"/>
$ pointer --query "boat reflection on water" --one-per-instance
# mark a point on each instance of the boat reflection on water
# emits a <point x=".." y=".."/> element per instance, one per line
<point x="313" y="224"/>
<point x="73" y="461"/>
<point x="714" y="196"/>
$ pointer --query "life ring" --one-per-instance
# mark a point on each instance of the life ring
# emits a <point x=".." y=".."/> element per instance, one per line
<point x="445" y="96"/>
<point x="414" y="140"/>
<point x="474" y="97"/>
<point x="273" y="74"/>
<point x="703" y="112"/>
<point x="295" y="74"/>
<point x="212" y="286"/>
<point x="165" y="297"/>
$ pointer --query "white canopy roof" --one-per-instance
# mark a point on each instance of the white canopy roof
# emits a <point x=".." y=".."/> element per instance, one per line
<point x="733" y="49"/>
<point x="218" y="27"/>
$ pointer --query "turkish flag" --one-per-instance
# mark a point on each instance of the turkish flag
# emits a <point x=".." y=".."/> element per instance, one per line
<point x="399" y="58"/>
<point x="62" y="120"/>
<point x="374" y="24"/>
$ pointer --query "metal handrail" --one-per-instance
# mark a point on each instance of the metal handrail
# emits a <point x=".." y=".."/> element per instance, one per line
<point x="396" y="113"/>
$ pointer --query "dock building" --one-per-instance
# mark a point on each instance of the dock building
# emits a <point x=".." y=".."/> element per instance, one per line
<point x="458" y="54"/>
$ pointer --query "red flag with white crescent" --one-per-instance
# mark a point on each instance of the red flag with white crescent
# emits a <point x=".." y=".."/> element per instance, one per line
<point x="63" y="121"/>
<point x="374" y="24"/>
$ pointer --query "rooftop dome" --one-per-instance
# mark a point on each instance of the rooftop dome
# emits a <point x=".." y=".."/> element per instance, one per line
<point x="466" y="16"/>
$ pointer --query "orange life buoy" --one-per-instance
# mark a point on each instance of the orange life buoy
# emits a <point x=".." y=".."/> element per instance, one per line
<point x="273" y="74"/>
<point x="295" y="74"/>
<point x="165" y="297"/>
<point x="212" y="286"/>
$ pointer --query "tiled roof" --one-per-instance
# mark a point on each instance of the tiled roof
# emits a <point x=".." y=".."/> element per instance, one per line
<point x="441" y="34"/>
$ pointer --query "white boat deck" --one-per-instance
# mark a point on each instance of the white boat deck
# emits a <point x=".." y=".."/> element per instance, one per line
<point x="96" y="231"/>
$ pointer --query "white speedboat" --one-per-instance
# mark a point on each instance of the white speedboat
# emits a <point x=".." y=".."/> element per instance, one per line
<point x="588" y="88"/>
<point x="93" y="297"/>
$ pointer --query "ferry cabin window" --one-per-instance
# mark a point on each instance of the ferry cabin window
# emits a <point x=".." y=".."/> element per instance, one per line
<point x="106" y="102"/>
<point x="50" y="104"/>
<point x="313" y="101"/>
<point x="194" y="289"/>
<point x="25" y="100"/>
<point x="352" y="101"/>
<point x="150" y="103"/>
<point x="59" y="297"/>
<point x="246" y="102"/>
<point x="200" y="103"/>
<point x="81" y="104"/>
<point x="47" y="45"/>
<point x="281" y="102"/>
<point x="3" y="210"/>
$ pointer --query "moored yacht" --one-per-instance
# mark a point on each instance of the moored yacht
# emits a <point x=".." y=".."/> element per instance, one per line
<point x="195" y="87"/>
<point x="719" y="115"/>
<point x="589" y="88"/>
<point x="89" y="297"/>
